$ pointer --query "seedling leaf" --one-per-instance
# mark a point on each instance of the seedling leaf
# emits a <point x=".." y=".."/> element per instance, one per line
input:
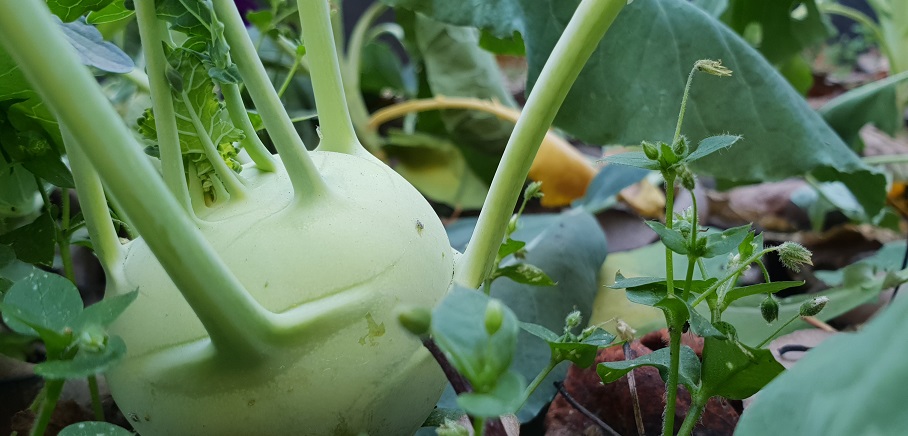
<point x="41" y="300"/>
<point x="85" y="363"/>
<point x="504" y="399"/>
<point x="688" y="370"/>
<point x="670" y="237"/>
<point x="94" y="428"/>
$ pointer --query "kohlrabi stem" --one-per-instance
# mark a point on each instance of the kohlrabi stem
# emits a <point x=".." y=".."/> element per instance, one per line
<point x="251" y="142"/>
<point x="537" y="381"/>
<point x="66" y="257"/>
<point x="228" y="177"/>
<point x="324" y="68"/>
<point x="95" y="398"/>
<point x="350" y="74"/>
<point x="580" y="38"/>
<point x="138" y="78"/>
<point x="671" y="386"/>
<point x="235" y="322"/>
<point x="304" y="176"/>
<point x="53" y="388"/>
<point x="885" y="159"/>
<point x="693" y="415"/>
<point x="156" y="65"/>
<point x="690" y="79"/>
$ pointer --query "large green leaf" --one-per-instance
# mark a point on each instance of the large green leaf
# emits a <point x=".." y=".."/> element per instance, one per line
<point x="850" y="384"/>
<point x="569" y="247"/>
<point x="873" y="103"/>
<point x="631" y="89"/>
<point x="785" y="27"/>
<point x="69" y="10"/>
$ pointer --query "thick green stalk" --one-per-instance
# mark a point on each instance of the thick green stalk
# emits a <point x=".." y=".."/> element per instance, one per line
<point x="233" y="319"/>
<point x="228" y="177"/>
<point x="48" y="404"/>
<point x="537" y="381"/>
<point x="671" y="386"/>
<point x="324" y="68"/>
<point x="96" y="406"/>
<point x="304" y="176"/>
<point x="693" y="415"/>
<point x="162" y="102"/>
<point x="350" y="73"/>
<point x="240" y="118"/>
<point x="580" y="38"/>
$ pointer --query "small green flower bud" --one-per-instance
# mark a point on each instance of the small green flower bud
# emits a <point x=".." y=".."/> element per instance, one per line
<point x="813" y="306"/>
<point x="668" y="156"/>
<point x="416" y="320"/>
<point x="512" y="224"/>
<point x="533" y="190"/>
<point x="587" y="332"/>
<point x="680" y="146"/>
<point x="769" y="308"/>
<point x="793" y="255"/>
<point x="494" y="316"/>
<point x="572" y="320"/>
<point x="715" y="68"/>
<point x="688" y="181"/>
<point x="94" y="340"/>
<point x="650" y="150"/>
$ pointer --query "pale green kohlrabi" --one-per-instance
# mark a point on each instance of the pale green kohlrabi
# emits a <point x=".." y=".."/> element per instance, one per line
<point x="273" y="309"/>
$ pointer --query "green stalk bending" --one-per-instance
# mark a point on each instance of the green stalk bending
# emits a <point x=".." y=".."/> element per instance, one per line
<point x="693" y="415"/>
<point x="324" y="68"/>
<point x="161" y="103"/>
<point x="48" y="404"/>
<point x="236" y="323"/>
<point x="350" y="74"/>
<point x="690" y="79"/>
<point x="580" y="38"/>
<point x="537" y="381"/>
<point x="240" y="118"/>
<point x="304" y="176"/>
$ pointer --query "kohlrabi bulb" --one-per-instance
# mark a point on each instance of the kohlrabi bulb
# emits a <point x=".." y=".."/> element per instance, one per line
<point x="345" y="263"/>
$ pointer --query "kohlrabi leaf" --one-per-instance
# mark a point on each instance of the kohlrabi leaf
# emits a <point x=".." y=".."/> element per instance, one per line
<point x="874" y="103"/>
<point x="41" y="300"/>
<point x="94" y="428"/>
<point x="713" y="7"/>
<point x="115" y="11"/>
<point x="70" y="10"/>
<point x="844" y="386"/>
<point x="460" y="327"/>
<point x="688" y="371"/>
<point x="438" y="168"/>
<point x="454" y="66"/>
<point x="755" y="102"/>
<point x="735" y="371"/>
<point x="35" y="242"/>
<point x="570" y="247"/>
<point x="780" y="29"/>
<point x="196" y="100"/>
<point x="85" y="363"/>
<point x="504" y="399"/>
<point x="93" y="50"/>
<point x="609" y="181"/>
<point x="187" y="16"/>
